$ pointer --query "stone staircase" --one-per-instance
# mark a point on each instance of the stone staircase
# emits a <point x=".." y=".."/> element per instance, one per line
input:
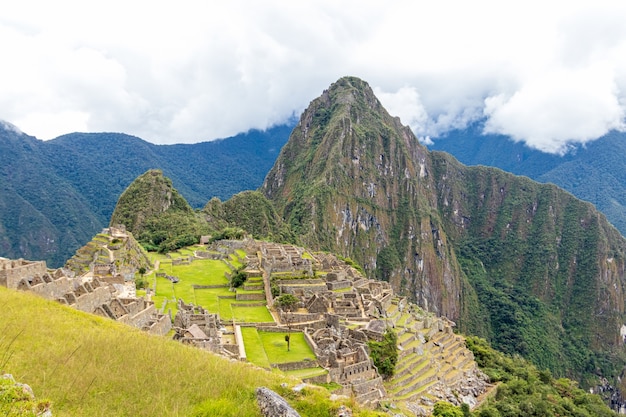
<point x="253" y="284"/>
<point x="433" y="362"/>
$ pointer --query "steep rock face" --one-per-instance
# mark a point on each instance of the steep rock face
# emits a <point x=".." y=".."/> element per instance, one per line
<point x="351" y="179"/>
<point x="548" y="268"/>
<point x="527" y="265"/>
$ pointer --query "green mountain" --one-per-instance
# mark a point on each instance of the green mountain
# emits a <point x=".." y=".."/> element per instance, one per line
<point x="55" y="195"/>
<point x="41" y="215"/>
<point x="593" y="172"/>
<point x="251" y="211"/>
<point x="153" y="210"/>
<point x="535" y="270"/>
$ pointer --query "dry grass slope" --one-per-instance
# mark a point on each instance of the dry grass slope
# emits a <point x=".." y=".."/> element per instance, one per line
<point x="88" y="366"/>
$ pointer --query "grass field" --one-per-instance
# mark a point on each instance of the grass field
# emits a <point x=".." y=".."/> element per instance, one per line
<point x="276" y="347"/>
<point x="265" y="348"/>
<point x="199" y="272"/>
<point x="254" y="347"/>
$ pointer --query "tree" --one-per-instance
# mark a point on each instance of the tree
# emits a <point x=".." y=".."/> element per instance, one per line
<point x="238" y="279"/>
<point x="286" y="302"/>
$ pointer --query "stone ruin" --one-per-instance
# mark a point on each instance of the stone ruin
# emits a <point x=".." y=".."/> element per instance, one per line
<point x="344" y="353"/>
<point x="338" y="312"/>
<point x="88" y="293"/>
<point x="283" y="258"/>
<point x="193" y="325"/>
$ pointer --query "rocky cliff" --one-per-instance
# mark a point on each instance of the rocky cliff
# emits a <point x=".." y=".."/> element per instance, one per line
<point x="527" y="265"/>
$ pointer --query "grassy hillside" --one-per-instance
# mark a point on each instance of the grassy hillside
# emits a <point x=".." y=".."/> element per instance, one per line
<point x="90" y="366"/>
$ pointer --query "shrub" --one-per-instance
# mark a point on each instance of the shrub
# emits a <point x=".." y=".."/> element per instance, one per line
<point x="385" y="353"/>
<point x="238" y="279"/>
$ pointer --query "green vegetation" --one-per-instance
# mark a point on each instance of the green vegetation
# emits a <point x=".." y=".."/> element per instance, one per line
<point x="275" y="347"/>
<point x="16" y="401"/>
<point x="286" y="302"/>
<point x="385" y="353"/>
<point x="524" y="390"/>
<point x="252" y="212"/>
<point x="444" y="409"/>
<point x="536" y="286"/>
<point x="313" y="401"/>
<point x="200" y="272"/>
<point x="247" y="314"/>
<point x="255" y="352"/>
<point x="593" y="172"/>
<point x="238" y="278"/>
<point x="157" y="214"/>
<point x="63" y="201"/>
<point x="90" y="366"/>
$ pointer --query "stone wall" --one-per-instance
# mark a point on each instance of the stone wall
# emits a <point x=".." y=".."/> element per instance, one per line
<point x="53" y="289"/>
<point x="93" y="296"/>
<point x="89" y="301"/>
<point x="338" y="285"/>
<point x="292" y="318"/>
<point x="159" y="325"/>
<point x="250" y="297"/>
<point x="12" y="271"/>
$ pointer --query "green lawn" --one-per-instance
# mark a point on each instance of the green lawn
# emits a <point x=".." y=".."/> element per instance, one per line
<point x="254" y="347"/>
<point x="199" y="272"/>
<point x="204" y="272"/>
<point x="276" y="347"/>
<point x="233" y="259"/>
<point x="307" y="372"/>
<point x="251" y="314"/>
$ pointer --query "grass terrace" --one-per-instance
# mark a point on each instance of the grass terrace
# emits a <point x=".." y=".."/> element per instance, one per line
<point x="199" y="272"/>
<point x="203" y="272"/>
<point x="276" y="347"/>
<point x="254" y="347"/>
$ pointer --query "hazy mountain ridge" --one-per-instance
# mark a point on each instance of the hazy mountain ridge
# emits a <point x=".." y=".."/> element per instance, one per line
<point x="57" y="194"/>
<point x="594" y="172"/>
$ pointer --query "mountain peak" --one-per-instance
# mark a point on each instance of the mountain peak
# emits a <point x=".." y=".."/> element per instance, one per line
<point x="149" y="196"/>
<point x="343" y="127"/>
<point x="352" y="180"/>
<point x="346" y="166"/>
<point x="10" y="127"/>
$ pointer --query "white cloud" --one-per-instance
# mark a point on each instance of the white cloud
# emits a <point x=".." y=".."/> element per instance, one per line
<point x="559" y="108"/>
<point x="544" y="73"/>
<point x="406" y="104"/>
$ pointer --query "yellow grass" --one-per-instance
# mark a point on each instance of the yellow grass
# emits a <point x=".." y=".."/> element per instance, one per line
<point x="91" y="366"/>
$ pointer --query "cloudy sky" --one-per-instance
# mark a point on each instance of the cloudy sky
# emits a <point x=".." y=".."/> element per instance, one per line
<point x="547" y="73"/>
